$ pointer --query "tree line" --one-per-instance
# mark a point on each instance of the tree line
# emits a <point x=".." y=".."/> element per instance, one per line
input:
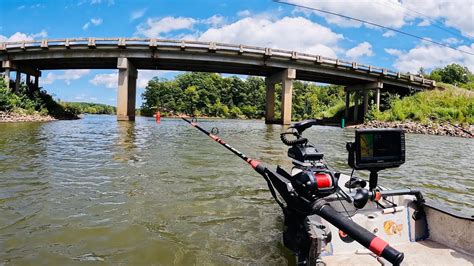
<point x="210" y="94"/>
<point x="89" y="108"/>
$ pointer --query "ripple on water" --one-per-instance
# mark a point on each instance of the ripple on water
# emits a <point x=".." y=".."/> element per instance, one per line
<point x="144" y="193"/>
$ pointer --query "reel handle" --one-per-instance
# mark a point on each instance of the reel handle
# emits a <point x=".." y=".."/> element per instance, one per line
<point x="358" y="233"/>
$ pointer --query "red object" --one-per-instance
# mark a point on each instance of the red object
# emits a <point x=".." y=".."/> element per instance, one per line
<point x="378" y="195"/>
<point x="158" y="117"/>
<point x="377" y="246"/>
<point x="253" y="163"/>
<point x="323" y="180"/>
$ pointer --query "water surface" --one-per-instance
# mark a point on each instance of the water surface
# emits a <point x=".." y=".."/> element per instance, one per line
<point x="98" y="190"/>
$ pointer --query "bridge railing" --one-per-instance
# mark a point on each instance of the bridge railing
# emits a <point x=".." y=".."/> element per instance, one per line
<point x="212" y="47"/>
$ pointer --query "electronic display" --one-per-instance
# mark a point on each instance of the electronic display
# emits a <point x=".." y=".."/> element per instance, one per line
<point x="379" y="148"/>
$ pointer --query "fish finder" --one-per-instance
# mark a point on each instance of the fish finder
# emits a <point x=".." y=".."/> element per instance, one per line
<point x="375" y="150"/>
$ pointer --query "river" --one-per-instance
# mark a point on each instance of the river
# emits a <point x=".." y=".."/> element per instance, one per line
<point x="140" y="193"/>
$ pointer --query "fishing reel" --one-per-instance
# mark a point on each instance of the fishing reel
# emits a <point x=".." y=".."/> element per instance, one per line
<point x="311" y="178"/>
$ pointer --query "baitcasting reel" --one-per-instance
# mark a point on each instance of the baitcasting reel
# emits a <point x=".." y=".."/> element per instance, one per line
<point x="311" y="178"/>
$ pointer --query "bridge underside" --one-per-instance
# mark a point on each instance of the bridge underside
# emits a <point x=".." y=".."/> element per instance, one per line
<point x="276" y="69"/>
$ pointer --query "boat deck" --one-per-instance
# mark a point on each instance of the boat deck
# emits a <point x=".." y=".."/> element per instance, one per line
<point x="416" y="253"/>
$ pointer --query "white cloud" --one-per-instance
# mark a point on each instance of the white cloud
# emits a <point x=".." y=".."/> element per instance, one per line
<point x="455" y="13"/>
<point x="109" y="2"/>
<point x="300" y="34"/>
<point x="67" y="76"/>
<point x="137" y="14"/>
<point x="292" y="33"/>
<point x="430" y="56"/>
<point x="96" y="21"/>
<point x="389" y="33"/>
<point x="214" y="21"/>
<point x="20" y="36"/>
<point x="92" y="21"/>
<point x="154" y="27"/>
<point x="36" y="6"/>
<point x="110" y="81"/>
<point x="243" y="13"/>
<point x="362" y="49"/>
<point x="394" y="52"/>
<point x="452" y="40"/>
<point x="424" y="23"/>
<point x="370" y="10"/>
<point x="21" y="7"/>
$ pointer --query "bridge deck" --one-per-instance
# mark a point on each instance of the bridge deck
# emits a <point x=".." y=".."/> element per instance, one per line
<point x="92" y="53"/>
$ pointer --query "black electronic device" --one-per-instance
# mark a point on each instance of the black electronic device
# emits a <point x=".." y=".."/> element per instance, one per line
<point x="376" y="149"/>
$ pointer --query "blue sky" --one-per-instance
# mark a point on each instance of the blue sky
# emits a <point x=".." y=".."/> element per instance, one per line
<point x="257" y="22"/>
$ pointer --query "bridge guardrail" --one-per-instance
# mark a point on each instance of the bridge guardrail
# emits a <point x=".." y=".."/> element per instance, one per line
<point x="213" y="47"/>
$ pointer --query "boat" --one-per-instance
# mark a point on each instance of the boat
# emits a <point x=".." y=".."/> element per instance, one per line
<point x="332" y="218"/>
<point x="438" y="237"/>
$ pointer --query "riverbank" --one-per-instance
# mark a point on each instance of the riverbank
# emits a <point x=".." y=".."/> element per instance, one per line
<point x="9" y="117"/>
<point x="431" y="128"/>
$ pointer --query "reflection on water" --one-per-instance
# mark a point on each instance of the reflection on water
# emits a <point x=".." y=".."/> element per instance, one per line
<point x="100" y="190"/>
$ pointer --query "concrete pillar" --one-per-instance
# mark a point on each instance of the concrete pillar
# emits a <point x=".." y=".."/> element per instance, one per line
<point x="17" y="81"/>
<point x="28" y="79"/>
<point x="7" y="77"/>
<point x="346" y="110"/>
<point x="356" y="105"/>
<point x="366" y="103"/>
<point x="286" y="78"/>
<point x="127" y="90"/>
<point x="286" y="100"/>
<point x="36" y="83"/>
<point x="377" y="99"/>
<point x="270" y="103"/>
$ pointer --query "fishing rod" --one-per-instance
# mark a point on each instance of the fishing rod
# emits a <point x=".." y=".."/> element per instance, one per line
<point x="258" y="166"/>
<point x="303" y="194"/>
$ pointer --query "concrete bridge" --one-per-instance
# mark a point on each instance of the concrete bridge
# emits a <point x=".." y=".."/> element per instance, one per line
<point x="129" y="54"/>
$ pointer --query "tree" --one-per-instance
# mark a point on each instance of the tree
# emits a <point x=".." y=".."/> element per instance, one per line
<point x="455" y="73"/>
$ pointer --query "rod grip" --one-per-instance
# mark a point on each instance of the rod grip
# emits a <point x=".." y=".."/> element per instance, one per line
<point x="358" y="233"/>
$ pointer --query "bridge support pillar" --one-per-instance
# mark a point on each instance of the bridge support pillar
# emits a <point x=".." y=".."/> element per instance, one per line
<point x="8" y="67"/>
<point x="127" y="90"/>
<point x="346" y="110"/>
<point x="286" y="78"/>
<point x="364" y="90"/>
<point x="17" y="81"/>
<point x="356" y="106"/>
<point x="7" y="77"/>
<point x="36" y="83"/>
<point x="270" y="103"/>
<point x="377" y="98"/>
<point x="366" y="103"/>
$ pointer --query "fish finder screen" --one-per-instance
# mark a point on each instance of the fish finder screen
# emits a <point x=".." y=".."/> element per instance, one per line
<point x="383" y="146"/>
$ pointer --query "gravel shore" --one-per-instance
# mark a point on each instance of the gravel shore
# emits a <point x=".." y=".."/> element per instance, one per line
<point x="6" y="117"/>
<point x="445" y="129"/>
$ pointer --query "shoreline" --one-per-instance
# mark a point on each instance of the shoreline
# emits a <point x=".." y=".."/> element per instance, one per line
<point x="432" y="128"/>
<point x="9" y="117"/>
<point x="444" y="129"/>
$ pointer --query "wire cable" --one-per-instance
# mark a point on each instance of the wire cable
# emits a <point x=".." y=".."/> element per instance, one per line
<point x="375" y="24"/>
<point x="435" y="22"/>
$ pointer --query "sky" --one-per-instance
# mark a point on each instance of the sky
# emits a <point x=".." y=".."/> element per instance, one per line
<point x="263" y="23"/>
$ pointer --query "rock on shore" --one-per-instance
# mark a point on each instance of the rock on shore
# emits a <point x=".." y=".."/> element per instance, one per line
<point x="15" y="117"/>
<point x="445" y="129"/>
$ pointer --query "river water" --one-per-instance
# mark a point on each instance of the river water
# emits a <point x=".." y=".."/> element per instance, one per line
<point x="98" y="190"/>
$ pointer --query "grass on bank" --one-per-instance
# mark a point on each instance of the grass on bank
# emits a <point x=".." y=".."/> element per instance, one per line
<point x="447" y="104"/>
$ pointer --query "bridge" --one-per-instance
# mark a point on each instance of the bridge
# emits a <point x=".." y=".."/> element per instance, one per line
<point x="277" y="66"/>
